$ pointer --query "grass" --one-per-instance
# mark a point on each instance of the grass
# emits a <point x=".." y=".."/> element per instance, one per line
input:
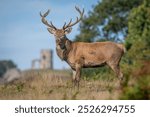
<point x="57" y="85"/>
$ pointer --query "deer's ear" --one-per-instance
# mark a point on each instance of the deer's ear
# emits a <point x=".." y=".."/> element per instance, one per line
<point x="68" y="30"/>
<point x="51" y="30"/>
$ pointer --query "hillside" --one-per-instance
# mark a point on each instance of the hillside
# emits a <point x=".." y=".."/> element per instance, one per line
<point x="46" y="84"/>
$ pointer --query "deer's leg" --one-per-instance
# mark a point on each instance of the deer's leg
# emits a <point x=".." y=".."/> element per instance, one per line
<point x="74" y="78"/>
<point x="117" y="70"/>
<point x="119" y="74"/>
<point x="78" y="74"/>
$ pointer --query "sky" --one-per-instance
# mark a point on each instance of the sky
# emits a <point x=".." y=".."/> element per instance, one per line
<point x="23" y="35"/>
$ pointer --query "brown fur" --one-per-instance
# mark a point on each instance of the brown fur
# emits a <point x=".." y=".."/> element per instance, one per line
<point x="94" y="54"/>
<point x="83" y="55"/>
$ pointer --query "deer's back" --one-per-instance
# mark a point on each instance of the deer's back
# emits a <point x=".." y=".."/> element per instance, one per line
<point x="94" y="54"/>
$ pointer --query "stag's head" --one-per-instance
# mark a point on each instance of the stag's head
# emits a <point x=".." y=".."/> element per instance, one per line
<point x="60" y="34"/>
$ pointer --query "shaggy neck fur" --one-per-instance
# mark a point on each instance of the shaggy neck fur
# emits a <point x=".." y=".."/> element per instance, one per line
<point x="63" y="51"/>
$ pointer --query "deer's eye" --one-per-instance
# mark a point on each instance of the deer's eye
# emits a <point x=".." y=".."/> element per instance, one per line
<point x="57" y="40"/>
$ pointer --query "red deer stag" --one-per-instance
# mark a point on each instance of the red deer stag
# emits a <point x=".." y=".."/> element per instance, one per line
<point x="83" y="55"/>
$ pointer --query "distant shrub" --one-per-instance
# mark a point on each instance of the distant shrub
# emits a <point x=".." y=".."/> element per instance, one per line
<point x="139" y="91"/>
<point x="103" y="73"/>
<point x="5" y="65"/>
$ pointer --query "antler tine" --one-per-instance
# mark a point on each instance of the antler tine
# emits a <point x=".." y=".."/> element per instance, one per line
<point x="64" y="25"/>
<point x="52" y="24"/>
<point x="77" y="20"/>
<point x="67" y="24"/>
<point x="45" y="14"/>
<point x="77" y="8"/>
<point x="45" y="21"/>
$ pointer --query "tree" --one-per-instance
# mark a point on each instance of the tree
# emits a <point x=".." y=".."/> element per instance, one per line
<point x="108" y="20"/>
<point x="5" y="65"/>
<point x="138" y="39"/>
<point x="138" y="45"/>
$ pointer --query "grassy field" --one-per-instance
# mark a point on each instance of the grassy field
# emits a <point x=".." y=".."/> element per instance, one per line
<point x="46" y="84"/>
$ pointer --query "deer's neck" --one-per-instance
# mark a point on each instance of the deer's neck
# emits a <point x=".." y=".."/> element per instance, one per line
<point x="63" y="52"/>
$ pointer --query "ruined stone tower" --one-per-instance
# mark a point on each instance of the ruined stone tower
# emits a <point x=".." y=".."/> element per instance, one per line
<point x="46" y="61"/>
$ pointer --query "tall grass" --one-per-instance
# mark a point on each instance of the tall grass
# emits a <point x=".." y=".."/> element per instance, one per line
<point x="57" y="85"/>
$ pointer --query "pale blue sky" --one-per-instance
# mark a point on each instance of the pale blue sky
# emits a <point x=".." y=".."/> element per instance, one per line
<point x="22" y="34"/>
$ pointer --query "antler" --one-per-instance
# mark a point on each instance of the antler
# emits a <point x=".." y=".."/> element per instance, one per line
<point x="70" y="24"/>
<point x="45" y="21"/>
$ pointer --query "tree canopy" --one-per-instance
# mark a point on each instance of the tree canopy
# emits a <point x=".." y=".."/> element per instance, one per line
<point x="5" y="65"/>
<point x="138" y="39"/>
<point x="107" y="21"/>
